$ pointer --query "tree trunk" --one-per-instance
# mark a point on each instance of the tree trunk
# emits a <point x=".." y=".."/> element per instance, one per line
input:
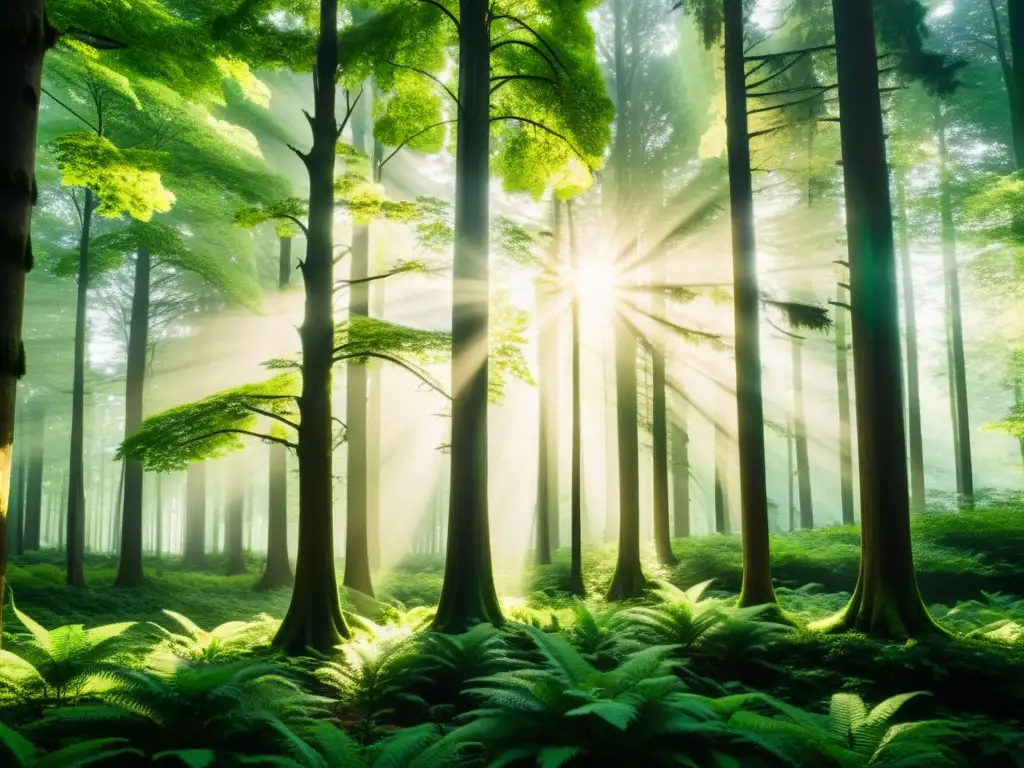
<point x="314" y="619"/>
<point x="129" y="569"/>
<point x="845" y="422"/>
<point x="721" y="479"/>
<point x="36" y="443"/>
<point x="115" y="518"/>
<point x="914" y="440"/>
<point x="234" y="518"/>
<point x="803" y="463"/>
<point x="1014" y="73"/>
<point x="158" y="522"/>
<point x="952" y="279"/>
<point x="576" y="463"/>
<point x="16" y="513"/>
<point x="757" y="574"/>
<point x="611" y="453"/>
<point x="75" y="574"/>
<point x="886" y="601"/>
<point x="790" y="474"/>
<point x="373" y="434"/>
<point x="278" y="570"/>
<point x="680" y="474"/>
<point x="547" y="391"/>
<point x="659" y="422"/>
<point x="194" y="550"/>
<point x="468" y="596"/>
<point x="25" y="36"/>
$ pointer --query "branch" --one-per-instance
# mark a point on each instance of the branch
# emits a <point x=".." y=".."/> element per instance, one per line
<point x="795" y="52"/>
<point x="271" y="415"/>
<point x="350" y="108"/>
<point x="413" y="138"/>
<point x="299" y="224"/>
<point x="531" y="46"/>
<point x="446" y="12"/>
<point x="786" y="333"/>
<point x="840" y="304"/>
<point x="533" y="32"/>
<point x="504" y="79"/>
<point x="793" y="103"/>
<point x="247" y="433"/>
<point x="543" y="127"/>
<point x="397" y="361"/>
<point x="783" y="126"/>
<point x="842" y="263"/>
<point x="69" y="109"/>
<point x="301" y="155"/>
<point x="435" y="79"/>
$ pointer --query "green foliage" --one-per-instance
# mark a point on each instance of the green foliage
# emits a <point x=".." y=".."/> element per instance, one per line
<point x="801" y="316"/>
<point x="124" y="180"/>
<point x="288" y="209"/>
<point x="223" y="642"/>
<point x="18" y="752"/>
<point x="507" y="339"/>
<point x="213" y="426"/>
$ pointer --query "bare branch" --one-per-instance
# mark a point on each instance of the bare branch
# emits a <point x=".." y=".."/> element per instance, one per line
<point x="785" y="333"/>
<point x="69" y="109"/>
<point x="532" y="47"/>
<point x="793" y="103"/>
<point x="350" y="108"/>
<point x="795" y="52"/>
<point x="446" y="12"/>
<point x="247" y="433"/>
<point x="299" y="224"/>
<point x="397" y="361"/>
<point x="533" y="32"/>
<point x="413" y="137"/>
<point x="840" y="304"/>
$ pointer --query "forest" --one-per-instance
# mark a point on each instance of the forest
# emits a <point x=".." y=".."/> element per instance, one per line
<point x="512" y="383"/>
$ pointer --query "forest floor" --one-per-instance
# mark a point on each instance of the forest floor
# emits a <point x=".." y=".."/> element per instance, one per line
<point x="970" y="570"/>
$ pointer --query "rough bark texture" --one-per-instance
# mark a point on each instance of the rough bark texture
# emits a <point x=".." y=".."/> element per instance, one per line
<point x="575" y="586"/>
<point x="956" y="326"/>
<point x="314" y="619"/>
<point x="25" y="35"/>
<point x="803" y="460"/>
<point x="680" y="473"/>
<point x="915" y="443"/>
<point x="75" y="538"/>
<point x="129" y="569"/>
<point x="886" y="601"/>
<point x="33" y="524"/>
<point x="845" y="420"/>
<point x="757" y="573"/>
<point x="195" y="515"/>
<point x="468" y="596"/>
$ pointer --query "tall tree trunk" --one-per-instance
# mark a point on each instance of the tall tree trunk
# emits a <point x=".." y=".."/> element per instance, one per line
<point x="158" y="521"/>
<point x="886" y="600"/>
<point x="547" y="391"/>
<point x="25" y="36"/>
<point x="129" y="569"/>
<point x="845" y="421"/>
<point x="234" y="519"/>
<point x="16" y="513"/>
<point x="75" y="574"/>
<point x="790" y="476"/>
<point x="659" y="435"/>
<point x="194" y="549"/>
<point x="611" y="444"/>
<point x="374" y="407"/>
<point x="576" y="462"/>
<point x="1018" y="397"/>
<point x="680" y="473"/>
<point x="115" y="518"/>
<point x="1013" y="69"/>
<point x="757" y="571"/>
<point x="278" y="571"/>
<point x="721" y="480"/>
<point x="314" y="619"/>
<point x="34" y="490"/>
<point x="952" y="279"/>
<point x="468" y="595"/>
<point x="958" y="469"/>
<point x="803" y="462"/>
<point x="914" y="440"/>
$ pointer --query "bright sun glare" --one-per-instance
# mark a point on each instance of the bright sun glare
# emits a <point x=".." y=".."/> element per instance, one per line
<point x="594" y="282"/>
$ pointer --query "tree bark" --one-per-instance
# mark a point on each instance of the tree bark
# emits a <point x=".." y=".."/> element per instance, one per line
<point x="803" y="463"/>
<point x="721" y="479"/>
<point x="16" y="513"/>
<point x="790" y="474"/>
<point x="680" y="473"/>
<point x="886" y="601"/>
<point x="1013" y="71"/>
<point x="194" y="550"/>
<point x="576" y="462"/>
<point x="75" y="539"/>
<point x="374" y="406"/>
<point x="757" y="574"/>
<point x="158" y="520"/>
<point x="953" y="310"/>
<point x="547" y="390"/>
<point x="914" y="439"/>
<point x="845" y="420"/>
<point x="468" y="595"/>
<point x="34" y="491"/>
<point x="659" y="426"/>
<point x="234" y="519"/>
<point x="129" y="570"/>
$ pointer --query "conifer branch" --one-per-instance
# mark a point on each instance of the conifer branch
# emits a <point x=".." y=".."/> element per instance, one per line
<point x="69" y="109"/>
<point x="533" y="32"/>
<point x="413" y="137"/>
<point x="437" y="80"/>
<point x="763" y="81"/>
<point x="794" y="52"/>
<point x="793" y="103"/>
<point x="532" y="47"/>
<point x="544" y="128"/>
<point x="505" y="79"/>
<point x="784" y="333"/>
<point x="446" y="12"/>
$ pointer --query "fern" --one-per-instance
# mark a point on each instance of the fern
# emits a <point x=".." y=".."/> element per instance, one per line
<point x="229" y="640"/>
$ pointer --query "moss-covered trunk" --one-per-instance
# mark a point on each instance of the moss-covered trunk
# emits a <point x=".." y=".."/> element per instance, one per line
<point x="25" y="36"/>
<point x="576" y="460"/>
<point x="845" y="420"/>
<point x="803" y="459"/>
<point x="915" y="444"/>
<point x="129" y="569"/>
<point x="468" y="596"/>
<point x="194" y="548"/>
<point x="75" y="530"/>
<point x="953" y="311"/>
<point x="680" y="473"/>
<point x="314" y="619"/>
<point x="757" y="573"/>
<point x="886" y="601"/>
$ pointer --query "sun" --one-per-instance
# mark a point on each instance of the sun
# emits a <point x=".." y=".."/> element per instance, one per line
<point x="594" y="283"/>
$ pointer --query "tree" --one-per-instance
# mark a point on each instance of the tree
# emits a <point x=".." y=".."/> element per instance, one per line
<point x="25" y="37"/>
<point x="575" y="586"/>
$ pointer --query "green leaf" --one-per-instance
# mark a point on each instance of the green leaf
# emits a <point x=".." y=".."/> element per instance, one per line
<point x="193" y="758"/>
<point x="614" y="713"/>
